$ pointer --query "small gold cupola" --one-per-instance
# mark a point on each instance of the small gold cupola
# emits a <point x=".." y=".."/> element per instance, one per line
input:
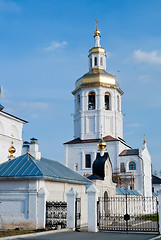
<point x="11" y="150"/>
<point x="101" y="145"/>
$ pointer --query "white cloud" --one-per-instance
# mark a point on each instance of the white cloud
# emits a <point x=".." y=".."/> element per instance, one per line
<point x="108" y="54"/>
<point x="135" y="125"/>
<point x="54" y="45"/>
<point x="128" y="133"/>
<point x="144" y="78"/>
<point x="34" y="105"/>
<point x="148" y="57"/>
<point x="9" y="6"/>
<point x="156" y="104"/>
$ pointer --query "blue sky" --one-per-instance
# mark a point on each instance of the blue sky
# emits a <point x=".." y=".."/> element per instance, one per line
<point x="43" y="50"/>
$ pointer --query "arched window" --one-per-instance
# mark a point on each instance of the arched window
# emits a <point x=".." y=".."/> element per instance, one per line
<point x="132" y="166"/>
<point x="87" y="161"/>
<point x="101" y="61"/>
<point x="91" y="101"/>
<point x="107" y="101"/>
<point x="95" y="61"/>
<point x="90" y="62"/>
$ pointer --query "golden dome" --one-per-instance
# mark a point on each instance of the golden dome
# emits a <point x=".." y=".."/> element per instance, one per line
<point x="11" y="150"/>
<point x="101" y="145"/>
<point x="97" y="77"/>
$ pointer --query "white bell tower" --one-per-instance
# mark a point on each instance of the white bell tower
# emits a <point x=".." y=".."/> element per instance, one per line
<point x="97" y="99"/>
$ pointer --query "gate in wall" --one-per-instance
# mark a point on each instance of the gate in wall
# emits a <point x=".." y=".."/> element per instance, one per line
<point x="128" y="213"/>
<point x="56" y="214"/>
<point x="77" y="213"/>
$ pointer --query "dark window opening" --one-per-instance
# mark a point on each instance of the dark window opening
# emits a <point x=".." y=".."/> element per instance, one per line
<point x="95" y="61"/>
<point x="132" y="166"/>
<point x="107" y="101"/>
<point x="91" y="101"/>
<point x="90" y="62"/>
<point x="122" y="167"/>
<point x="78" y="102"/>
<point x="88" y="161"/>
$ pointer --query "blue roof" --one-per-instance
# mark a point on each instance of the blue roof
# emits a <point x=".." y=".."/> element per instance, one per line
<point x="121" y="191"/>
<point x="26" y="166"/>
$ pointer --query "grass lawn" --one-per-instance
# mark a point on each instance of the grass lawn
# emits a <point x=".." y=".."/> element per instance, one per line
<point x="5" y="233"/>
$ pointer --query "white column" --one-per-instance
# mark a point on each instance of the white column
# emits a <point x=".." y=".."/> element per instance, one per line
<point x="71" y="196"/>
<point x="92" y="192"/>
<point x="159" y="198"/>
<point x="41" y="208"/>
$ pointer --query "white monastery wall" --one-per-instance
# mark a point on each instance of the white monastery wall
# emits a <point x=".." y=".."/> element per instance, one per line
<point x="57" y="192"/>
<point x="23" y="202"/>
<point x="18" y="204"/>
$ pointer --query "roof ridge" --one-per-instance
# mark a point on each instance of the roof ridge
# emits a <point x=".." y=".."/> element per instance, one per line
<point x="49" y="169"/>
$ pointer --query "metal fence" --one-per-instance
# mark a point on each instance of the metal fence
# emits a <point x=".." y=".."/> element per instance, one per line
<point x="128" y="213"/>
<point x="56" y="214"/>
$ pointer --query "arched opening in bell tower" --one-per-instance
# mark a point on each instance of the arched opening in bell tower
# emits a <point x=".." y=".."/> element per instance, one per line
<point x="95" y="61"/>
<point x="78" y="102"/>
<point x="91" y="101"/>
<point x="90" y="62"/>
<point x="107" y="101"/>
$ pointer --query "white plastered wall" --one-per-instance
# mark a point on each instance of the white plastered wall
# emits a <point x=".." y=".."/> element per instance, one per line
<point x="10" y="126"/>
<point x="23" y="202"/>
<point x="75" y="155"/>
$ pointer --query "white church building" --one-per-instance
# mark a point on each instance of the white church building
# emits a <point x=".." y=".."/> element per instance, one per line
<point x="28" y="181"/>
<point x="97" y="97"/>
